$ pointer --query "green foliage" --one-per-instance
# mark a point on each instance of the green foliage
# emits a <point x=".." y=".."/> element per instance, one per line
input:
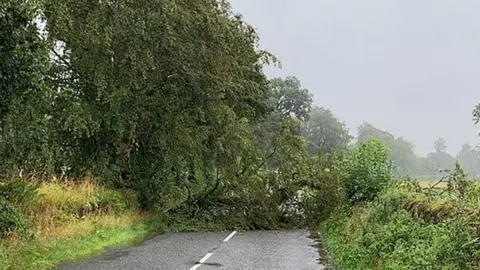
<point x="262" y="196"/>
<point x="381" y="235"/>
<point x="24" y="97"/>
<point x="12" y="220"/>
<point x="324" y="132"/>
<point x="292" y="100"/>
<point x="401" y="151"/>
<point x="147" y="94"/>
<point x="22" y="49"/>
<point x="409" y="227"/>
<point x="19" y="192"/>
<point x="469" y="158"/>
<point x="368" y="171"/>
<point x="324" y="190"/>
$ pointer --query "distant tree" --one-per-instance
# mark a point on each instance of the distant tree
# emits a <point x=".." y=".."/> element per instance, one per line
<point x="469" y="159"/>
<point x="401" y="150"/>
<point x="440" y="157"/>
<point x="367" y="131"/>
<point x="440" y="145"/>
<point x="476" y="114"/>
<point x="291" y="98"/>
<point x="324" y="132"/>
<point x="425" y="166"/>
<point x="403" y="156"/>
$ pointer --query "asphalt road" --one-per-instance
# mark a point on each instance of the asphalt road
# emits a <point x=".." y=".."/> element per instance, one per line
<point x="259" y="250"/>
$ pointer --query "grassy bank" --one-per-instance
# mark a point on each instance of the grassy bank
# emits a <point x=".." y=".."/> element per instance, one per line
<point x="74" y="241"/>
<point x="406" y="229"/>
<point x="69" y="221"/>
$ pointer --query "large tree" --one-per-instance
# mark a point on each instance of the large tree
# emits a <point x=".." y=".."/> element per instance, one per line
<point x="21" y="53"/>
<point x="292" y="99"/>
<point x="24" y="98"/>
<point x="440" y="145"/>
<point x="367" y="131"/>
<point x="469" y="158"/>
<point x="441" y="158"/>
<point x="324" y="132"/>
<point x="150" y="89"/>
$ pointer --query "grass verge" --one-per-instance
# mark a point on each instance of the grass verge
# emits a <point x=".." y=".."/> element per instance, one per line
<point x="85" y="238"/>
<point x="71" y="221"/>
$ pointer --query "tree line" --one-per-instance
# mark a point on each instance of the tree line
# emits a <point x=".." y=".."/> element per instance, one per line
<point x="165" y="98"/>
<point x="169" y="99"/>
<point x="407" y="162"/>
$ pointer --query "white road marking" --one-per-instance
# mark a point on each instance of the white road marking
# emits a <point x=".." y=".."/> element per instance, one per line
<point x="230" y="236"/>
<point x="195" y="266"/>
<point x="205" y="258"/>
<point x="202" y="260"/>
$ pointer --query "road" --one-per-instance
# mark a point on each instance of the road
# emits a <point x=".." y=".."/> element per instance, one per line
<point x="259" y="250"/>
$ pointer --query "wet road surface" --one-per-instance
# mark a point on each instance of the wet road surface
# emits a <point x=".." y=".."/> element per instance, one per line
<point x="259" y="250"/>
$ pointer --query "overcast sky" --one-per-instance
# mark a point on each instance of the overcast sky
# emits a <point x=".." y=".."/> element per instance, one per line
<point x="406" y="66"/>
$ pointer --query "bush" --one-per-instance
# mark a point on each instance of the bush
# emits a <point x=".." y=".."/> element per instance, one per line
<point x="382" y="235"/>
<point x="368" y="171"/>
<point x="19" y="192"/>
<point x="12" y="220"/>
<point x="324" y="191"/>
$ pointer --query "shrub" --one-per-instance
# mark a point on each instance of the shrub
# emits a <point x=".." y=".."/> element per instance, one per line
<point x="368" y="170"/>
<point x="19" y="192"/>
<point x="324" y="191"/>
<point x="12" y="220"/>
<point x="382" y="235"/>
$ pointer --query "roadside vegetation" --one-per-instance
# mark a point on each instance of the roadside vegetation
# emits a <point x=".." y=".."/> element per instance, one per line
<point x="123" y="119"/>
<point x="46" y="223"/>
<point x="409" y="227"/>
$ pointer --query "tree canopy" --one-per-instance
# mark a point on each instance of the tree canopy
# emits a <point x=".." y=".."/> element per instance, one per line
<point x="401" y="151"/>
<point x="324" y="132"/>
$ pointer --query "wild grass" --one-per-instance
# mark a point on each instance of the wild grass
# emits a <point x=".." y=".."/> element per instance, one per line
<point x="59" y="204"/>
<point x="70" y="221"/>
<point x="73" y="241"/>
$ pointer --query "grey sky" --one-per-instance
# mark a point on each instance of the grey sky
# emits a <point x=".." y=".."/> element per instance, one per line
<point x="407" y="66"/>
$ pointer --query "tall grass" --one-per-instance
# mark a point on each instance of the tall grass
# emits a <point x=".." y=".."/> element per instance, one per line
<point x="71" y="220"/>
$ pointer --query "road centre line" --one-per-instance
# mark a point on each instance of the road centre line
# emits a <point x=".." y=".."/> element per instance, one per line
<point x="230" y="236"/>
<point x="205" y="258"/>
<point x="202" y="260"/>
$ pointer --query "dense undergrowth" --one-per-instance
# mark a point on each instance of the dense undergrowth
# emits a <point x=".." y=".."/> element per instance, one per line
<point x="409" y="227"/>
<point x="44" y="224"/>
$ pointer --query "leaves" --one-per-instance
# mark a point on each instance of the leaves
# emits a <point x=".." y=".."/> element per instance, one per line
<point x="324" y="132"/>
<point x="368" y="171"/>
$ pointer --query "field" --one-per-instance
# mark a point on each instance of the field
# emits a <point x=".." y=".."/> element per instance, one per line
<point x="428" y="183"/>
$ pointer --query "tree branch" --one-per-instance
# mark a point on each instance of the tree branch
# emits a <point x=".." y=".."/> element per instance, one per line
<point x="63" y="60"/>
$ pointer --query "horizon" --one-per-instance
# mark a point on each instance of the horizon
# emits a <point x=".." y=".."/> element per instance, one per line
<point x="415" y="80"/>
